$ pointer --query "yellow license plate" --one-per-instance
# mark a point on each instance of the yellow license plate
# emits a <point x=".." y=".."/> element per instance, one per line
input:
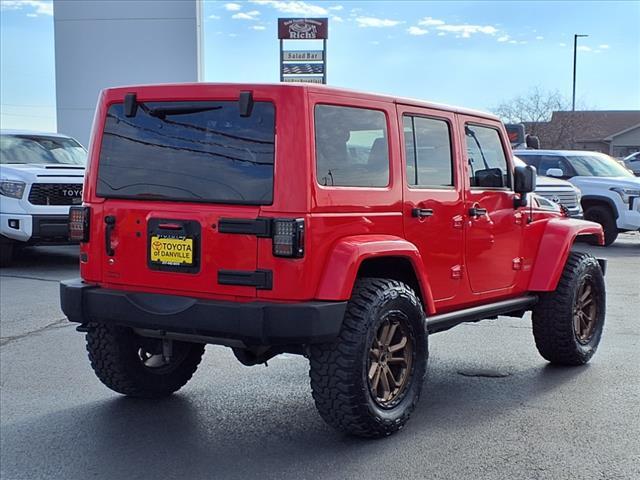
<point x="171" y="251"/>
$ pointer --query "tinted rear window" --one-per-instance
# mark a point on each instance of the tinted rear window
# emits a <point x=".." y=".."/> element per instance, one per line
<point x="189" y="151"/>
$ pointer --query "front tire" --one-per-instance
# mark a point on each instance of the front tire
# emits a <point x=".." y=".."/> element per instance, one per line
<point x="568" y="322"/>
<point x="604" y="217"/>
<point x="135" y="366"/>
<point x="368" y="381"/>
<point x="7" y="251"/>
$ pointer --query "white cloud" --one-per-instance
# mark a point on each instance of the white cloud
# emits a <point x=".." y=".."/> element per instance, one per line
<point x="539" y="37"/>
<point x="441" y="34"/>
<point x="503" y="38"/>
<point x="376" y="22"/>
<point x="513" y="42"/>
<point x="252" y="15"/>
<point x="336" y="8"/>
<point x="233" y="34"/>
<point x="465" y="31"/>
<point x="214" y="17"/>
<point x="430" y="22"/>
<point x="417" y="31"/>
<point x="562" y="44"/>
<point x="42" y="7"/>
<point x="233" y="7"/>
<point x="294" y="7"/>
<point x="374" y="42"/>
<point x="336" y="18"/>
<point x="258" y="27"/>
<point x="604" y="46"/>
<point x="584" y="48"/>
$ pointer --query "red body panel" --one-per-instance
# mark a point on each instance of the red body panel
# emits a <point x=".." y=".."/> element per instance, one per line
<point x="555" y="246"/>
<point x="459" y="261"/>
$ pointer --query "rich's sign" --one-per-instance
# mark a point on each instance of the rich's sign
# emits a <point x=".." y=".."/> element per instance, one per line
<point x="303" y="28"/>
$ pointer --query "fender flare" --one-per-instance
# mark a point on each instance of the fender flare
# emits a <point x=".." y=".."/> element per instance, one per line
<point x="347" y="255"/>
<point x="558" y="238"/>
<point x="601" y="199"/>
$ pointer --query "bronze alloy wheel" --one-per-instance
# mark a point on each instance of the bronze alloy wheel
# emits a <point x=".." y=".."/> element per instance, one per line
<point x="390" y="360"/>
<point x="585" y="312"/>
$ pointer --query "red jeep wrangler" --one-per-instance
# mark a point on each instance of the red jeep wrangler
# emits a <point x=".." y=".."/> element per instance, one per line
<point x="343" y="226"/>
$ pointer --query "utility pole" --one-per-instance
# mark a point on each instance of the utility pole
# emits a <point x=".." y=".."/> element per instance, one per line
<point x="575" y="52"/>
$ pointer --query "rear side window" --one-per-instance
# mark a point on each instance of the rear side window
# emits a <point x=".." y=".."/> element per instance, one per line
<point x="351" y="147"/>
<point x="487" y="161"/>
<point x="189" y="151"/>
<point x="428" y="151"/>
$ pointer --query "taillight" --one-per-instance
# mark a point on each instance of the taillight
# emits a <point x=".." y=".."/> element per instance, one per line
<point x="288" y="237"/>
<point x="79" y="224"/>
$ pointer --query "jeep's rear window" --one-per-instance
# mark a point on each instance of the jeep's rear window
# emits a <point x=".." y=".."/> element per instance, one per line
<point x="189" y="151"/>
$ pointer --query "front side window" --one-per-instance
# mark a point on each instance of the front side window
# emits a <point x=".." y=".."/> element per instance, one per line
<point x="428" y="151"/>
<point x="487" y="162"/>
<point x="351" y="147"/>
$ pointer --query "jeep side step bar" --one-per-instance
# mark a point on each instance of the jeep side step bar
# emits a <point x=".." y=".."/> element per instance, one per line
<point x="445" y="321"/>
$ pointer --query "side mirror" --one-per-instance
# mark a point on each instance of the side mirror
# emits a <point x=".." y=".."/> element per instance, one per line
<point x="525" y="179"/>
<point x="555" y="172"/>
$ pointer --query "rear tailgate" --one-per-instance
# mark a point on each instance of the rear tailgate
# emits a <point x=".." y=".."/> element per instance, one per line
<point x="174" y="178"/>
<point x="178" y="247"/>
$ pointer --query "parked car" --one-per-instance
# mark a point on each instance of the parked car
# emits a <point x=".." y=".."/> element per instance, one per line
<point x="41" y="176"/>
<point x="558" y="191"/>
<point x="610" y="192"/>
<point x="370" y="224"/>
<point x="632" y="162"/>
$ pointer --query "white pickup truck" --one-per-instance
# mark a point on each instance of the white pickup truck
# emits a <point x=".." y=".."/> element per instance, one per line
<point x="610" y="192"/>
<point x="41" y="176"/>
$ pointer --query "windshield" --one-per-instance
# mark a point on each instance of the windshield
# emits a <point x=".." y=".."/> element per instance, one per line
<point x="597" y="165"/>
<point x="37" y="149"/>
<point x="189" y="151"/>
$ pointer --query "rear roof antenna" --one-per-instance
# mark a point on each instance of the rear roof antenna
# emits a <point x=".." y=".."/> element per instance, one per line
<point x="246" y="103"/>
<point x="130" y="105"/>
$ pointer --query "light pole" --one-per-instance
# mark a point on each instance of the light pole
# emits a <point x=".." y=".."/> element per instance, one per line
<point x="575" y="51"/>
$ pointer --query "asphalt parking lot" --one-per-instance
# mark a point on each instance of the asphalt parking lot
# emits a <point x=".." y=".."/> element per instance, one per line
<point x="491" y="407"/>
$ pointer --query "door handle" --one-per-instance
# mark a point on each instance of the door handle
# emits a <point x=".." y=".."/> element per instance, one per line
<point x="476" y="212"/>
<point x="421" y="212"/>
<point x="110" y="220"/>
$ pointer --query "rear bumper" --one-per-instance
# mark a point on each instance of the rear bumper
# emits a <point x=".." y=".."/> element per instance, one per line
<point x="253" y="323"/>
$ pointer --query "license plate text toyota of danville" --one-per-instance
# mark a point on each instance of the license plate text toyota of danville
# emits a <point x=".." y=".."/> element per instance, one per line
<point x="167" y="250"/>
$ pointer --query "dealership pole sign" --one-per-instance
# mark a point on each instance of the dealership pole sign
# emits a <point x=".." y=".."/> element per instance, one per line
<point x="304" y="66"/>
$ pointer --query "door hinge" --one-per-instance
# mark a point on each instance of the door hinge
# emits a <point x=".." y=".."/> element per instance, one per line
<point x="518" y="218"/>
<point x="457" y="271"/>
<point x="516" y="263"/>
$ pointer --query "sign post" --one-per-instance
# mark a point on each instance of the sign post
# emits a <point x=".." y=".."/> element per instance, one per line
<point x="303" y="65"/>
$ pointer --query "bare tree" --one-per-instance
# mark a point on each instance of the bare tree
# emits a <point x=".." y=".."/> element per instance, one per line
<point x="535" y="110"/>
<point x="533" y="107"/>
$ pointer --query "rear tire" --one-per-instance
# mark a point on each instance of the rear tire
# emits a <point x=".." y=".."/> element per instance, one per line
<point x="568" y="322"/>
<point x="128" y="363"/>
<point x="6" y="254"/>
<point x="604" y="217"/>
<point x="368" y="381"/>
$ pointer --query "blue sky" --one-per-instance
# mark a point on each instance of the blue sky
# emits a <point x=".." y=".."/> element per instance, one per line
<point x="473" y="54"/>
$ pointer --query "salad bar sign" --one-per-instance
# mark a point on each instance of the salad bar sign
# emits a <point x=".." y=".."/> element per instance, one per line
<point x="308" y="66"/>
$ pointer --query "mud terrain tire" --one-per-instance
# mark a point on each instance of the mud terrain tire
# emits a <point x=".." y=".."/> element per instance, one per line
<point x="115" y="355"/>
<point x="568" y="322"/>
<point x="348" y="374"/>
